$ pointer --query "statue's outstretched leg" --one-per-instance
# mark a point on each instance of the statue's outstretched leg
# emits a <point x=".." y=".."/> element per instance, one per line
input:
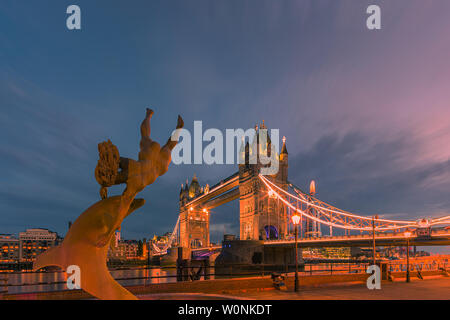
<point x="145" y="125"/>
<point x="146" y="141"/>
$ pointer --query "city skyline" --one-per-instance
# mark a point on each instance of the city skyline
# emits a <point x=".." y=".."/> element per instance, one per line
<point x="365" y="114"/>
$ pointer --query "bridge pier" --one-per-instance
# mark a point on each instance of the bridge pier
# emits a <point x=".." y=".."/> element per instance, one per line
<point x="244" y="256"/>
<point x="190" y="269"/>
<point x="183" y="264"/>
<point x="206" y="269"/>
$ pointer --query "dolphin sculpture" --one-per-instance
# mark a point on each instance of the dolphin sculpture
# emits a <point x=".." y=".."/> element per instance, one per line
<point x="88" y="239"/>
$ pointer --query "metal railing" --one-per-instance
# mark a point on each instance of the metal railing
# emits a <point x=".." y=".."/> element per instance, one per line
<point x="3" y="284"/>
<point x="212" y="272"/>
<point x="223" y="272"/>
<point x="401" y="267"/>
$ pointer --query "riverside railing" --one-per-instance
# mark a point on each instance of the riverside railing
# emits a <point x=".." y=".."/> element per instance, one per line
<point x="3" y="284"/>
<point x="31" y="281"/>
<point x="152" y="275"/>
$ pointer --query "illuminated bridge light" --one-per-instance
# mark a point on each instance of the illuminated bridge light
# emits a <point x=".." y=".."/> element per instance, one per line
<point x="298" y="205"/>
<point x="272" y="194"/>
<point x="331" y="216"/>
<point x="296" y="219"/>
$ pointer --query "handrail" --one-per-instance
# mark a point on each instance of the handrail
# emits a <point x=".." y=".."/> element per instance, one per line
<point x="328" y="267"/>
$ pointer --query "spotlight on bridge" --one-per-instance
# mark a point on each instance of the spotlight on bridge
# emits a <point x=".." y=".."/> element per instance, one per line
<point x="191" y="209"/>
<point x="408" y="233"/>
<point x="423" y="223"/>
<point x="312" y="188"/>
<point x="272" y="194"/>
<point x="205" y="211"/>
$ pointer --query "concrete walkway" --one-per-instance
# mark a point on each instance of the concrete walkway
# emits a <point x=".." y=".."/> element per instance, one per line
<point x="428" y="289"/>
<point x="189" y="296"/>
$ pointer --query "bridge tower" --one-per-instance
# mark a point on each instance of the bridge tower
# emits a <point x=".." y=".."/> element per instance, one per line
<point x="194" y="222"/>
<point x="261" y="216"/>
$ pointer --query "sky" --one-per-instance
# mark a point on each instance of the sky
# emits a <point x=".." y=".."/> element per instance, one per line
<point x="365" y="112"/>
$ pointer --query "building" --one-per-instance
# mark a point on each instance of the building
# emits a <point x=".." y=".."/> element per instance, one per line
<point x="261" y="215"/>
<point x="35" y="241"/>
<point x="327" y="253"/>
<point x="9" y="248"/>
<point x="194" y="222"/>
<point x="27" y="246"/>
<point x="128" y="250"/>
<point x="337" y="252"/>
<point x="125" y="250"/>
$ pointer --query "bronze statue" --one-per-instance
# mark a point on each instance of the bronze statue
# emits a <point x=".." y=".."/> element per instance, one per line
<point x="87" y="241"/>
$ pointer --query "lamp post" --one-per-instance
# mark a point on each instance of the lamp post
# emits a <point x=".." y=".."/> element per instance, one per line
<point x="295" y="221"/>
<point x="373" y="238"/>
<point x="407" y="235"/>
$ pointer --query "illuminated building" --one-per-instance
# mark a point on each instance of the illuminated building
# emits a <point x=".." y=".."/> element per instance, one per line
<point x="194" y="227"/>
<point x="327" y="253"/>
<point x="261" y="215"/>
<point x="128" y="250"/>
<point x="9" y="248"/>
<point x="35" y="241"/>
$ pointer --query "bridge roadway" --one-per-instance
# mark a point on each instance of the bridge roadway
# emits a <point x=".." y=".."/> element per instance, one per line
<point x="225" y="191"/>
<point x="437" y="238"/>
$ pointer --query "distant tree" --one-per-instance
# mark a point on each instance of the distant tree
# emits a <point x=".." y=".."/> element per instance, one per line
<point x="140" y="250"/>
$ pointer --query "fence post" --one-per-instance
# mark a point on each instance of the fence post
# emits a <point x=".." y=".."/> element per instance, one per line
<point x="207" y="272"/>
<point x="4" y="284"/>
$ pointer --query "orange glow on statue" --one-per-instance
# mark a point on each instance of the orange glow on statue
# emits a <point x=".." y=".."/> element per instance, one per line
<point x="90" y="236"/>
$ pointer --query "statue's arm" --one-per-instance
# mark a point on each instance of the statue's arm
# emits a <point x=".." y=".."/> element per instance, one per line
<point x="166" y="150"/>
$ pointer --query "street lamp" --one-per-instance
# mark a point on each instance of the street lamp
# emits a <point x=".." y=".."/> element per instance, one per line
<point x="373" y="238"/>
<point x="407" y="235"/>
<point x="272" y="194"/>
<point x="295" y="221"/>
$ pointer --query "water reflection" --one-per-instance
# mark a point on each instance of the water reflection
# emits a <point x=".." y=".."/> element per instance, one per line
<point x="25" y="282"/>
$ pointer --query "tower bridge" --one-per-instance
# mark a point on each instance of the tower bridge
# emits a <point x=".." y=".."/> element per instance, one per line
<point x="260" y="217"/>
<point x="267" y="204"/>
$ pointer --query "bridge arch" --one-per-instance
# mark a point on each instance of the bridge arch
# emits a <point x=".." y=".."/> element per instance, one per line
<point x="196" y="243"/>
<point x="270" y="232"/>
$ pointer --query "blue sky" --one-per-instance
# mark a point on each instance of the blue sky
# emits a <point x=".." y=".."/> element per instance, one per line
<point x="366" y="113"/>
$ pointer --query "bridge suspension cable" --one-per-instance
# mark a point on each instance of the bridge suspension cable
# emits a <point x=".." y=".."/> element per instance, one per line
<point x="169" y="243"/>
<point x="329" y="215"/>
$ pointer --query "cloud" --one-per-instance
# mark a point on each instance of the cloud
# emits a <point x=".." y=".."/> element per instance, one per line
<point x="363" y="174"/>
<point x="365" y="113"/>
<point x="217" y="230"/>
